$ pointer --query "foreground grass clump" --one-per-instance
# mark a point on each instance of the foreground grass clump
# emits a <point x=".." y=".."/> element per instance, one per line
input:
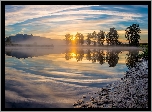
<point x="129" y="92"/>
<point x="144" y="55"/>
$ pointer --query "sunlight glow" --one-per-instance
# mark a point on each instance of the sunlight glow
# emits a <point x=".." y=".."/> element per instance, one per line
<point x="73" y="38"/>
<point x="73" y="54"/>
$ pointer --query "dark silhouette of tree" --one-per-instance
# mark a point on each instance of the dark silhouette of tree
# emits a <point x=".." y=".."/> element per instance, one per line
<point x="68" y="39"/>
<point x="94" y="37"/>
<point x="78" y="38"/>
<point x="89" y="36"/>
<point x="8" y="41"/>
<point x="112" y="57"/>
<point x="132" y="58"/>
<point x="101" y="37"/>
<point x="112" y="37"/>
<point x="132" y="34"/>
<point x="81" y="39"/>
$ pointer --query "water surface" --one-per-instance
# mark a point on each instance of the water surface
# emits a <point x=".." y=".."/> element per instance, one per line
<point x="57" y="77"/>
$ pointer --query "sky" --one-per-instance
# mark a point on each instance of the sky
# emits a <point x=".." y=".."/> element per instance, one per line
<point x="55" y="21"/>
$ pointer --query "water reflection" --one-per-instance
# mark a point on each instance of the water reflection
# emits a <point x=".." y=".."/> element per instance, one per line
<point x="78" y="54"/>
<point x="61" y="75"/>
<point x="101" y="56"/>
<point x="132" y="58"/>
<point x="95" y="56"/>
<point x="110" y="56"/>
<point x="27" y="52"/>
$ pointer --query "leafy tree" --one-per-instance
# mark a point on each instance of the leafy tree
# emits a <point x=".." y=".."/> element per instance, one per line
<point x="89" y="36"/>
<point x="132" y="34"/>
<point x="112" y="37"/>
<point x="8" y="41"/>
<point x="68" y="39"/>
<point x="81" y="39"/>
<point x="94" y="37"/>
<point x="101" y="37"/>
<point x="78" y="38"/>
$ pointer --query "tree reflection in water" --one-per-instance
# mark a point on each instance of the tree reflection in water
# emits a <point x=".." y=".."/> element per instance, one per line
<point x="95" y="55"/>
<point x="132" y="58"/>
<point x="67" y="54"/>
<point x="112" y="57"/>
<point x="78" y="54"/>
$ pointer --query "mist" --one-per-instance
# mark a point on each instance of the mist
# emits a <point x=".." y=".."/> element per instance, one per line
<point x="42" y="41"/>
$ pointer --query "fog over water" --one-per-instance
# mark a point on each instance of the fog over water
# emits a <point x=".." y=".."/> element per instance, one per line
<point x="58" y="76"/>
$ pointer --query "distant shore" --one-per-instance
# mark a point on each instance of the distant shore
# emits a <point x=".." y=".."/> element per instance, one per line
<point x="83" y="46"/>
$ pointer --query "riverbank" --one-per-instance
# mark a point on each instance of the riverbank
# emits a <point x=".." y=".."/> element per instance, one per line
<point x="131" y="91"/>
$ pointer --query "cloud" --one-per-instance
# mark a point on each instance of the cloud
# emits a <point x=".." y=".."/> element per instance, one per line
<point x="54" y="21"/>
<point x="31" y="89"/>
<point x="22" y="31"/>
<point x="36" y="11"/>
<point x="107" y="12"/>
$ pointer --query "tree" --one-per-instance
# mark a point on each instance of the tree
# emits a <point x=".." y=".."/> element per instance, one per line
<point x="112" y="37"/>
<point x="101" y="37"/>
<point x="77" y="38"/>
<point x="81" y="39"/>
<point x="132" y="34"/>
<point x="8" y="41"/>
<point x="89" y="36"/>
<point x="94" y="37"/>
<point x="68" y="39"/>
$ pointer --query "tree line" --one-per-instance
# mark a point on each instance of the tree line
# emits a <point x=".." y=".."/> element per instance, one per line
<point x="131" y="33"/>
